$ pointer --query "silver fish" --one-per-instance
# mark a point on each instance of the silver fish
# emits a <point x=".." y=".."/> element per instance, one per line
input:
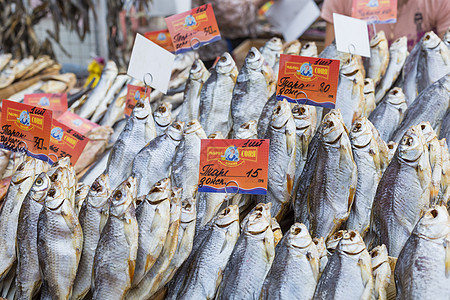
<point x="423" y="267"/>
<point x="381" y="271"/>
<point x="388" y="115"/>
<point x="271" y="50"/>
<point x="266" y="115"/>
<point x="444" y="190"/>
<point x="216" y="94"/>
<point x="93" y="216"/>
<point x="323" y="253"/>
<point x="80" y="196"/>
<point x="162" y="117"/>
<point x="247" y="130"/>
<point x="116" y="110"/>
<point x="309" y="49"/>
<point x="295" y="269"/>
<point x="409" y="73"/>
<point x="379" y="57"/>
<point x="369" y="97"/>
<point x="331" y="52"/>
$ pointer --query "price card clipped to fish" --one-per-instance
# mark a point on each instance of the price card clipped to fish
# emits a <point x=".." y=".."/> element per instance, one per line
<point x="26" y="128"/>
<point x="135" y="93"/>
<point x="65" y="142"/>
<point x="56" y="102"/>
<point x="194" y="28"/>
<point x="308" y="80"/>
<point x="234" y="166"/>
<point x="161" y="38"/>
<point x="375" y="11"/>
<point x="76" y="122"/>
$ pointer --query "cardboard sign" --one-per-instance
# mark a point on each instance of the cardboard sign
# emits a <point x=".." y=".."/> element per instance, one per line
<point x="161" y="38"/>
<point x="375" y="11"/>
<point x="64" y="141"/>
<point x="26" y="128"/>
<point x="76" y="122"/>
<point x="308" y="80"/>
<point x="55" y="102"/>
<point x="193" y="28"/>
<point x="151" y="64"/>
<point x="351" y="35"/>
<point x="243" y="161"/>
<point x="135" y="93"/>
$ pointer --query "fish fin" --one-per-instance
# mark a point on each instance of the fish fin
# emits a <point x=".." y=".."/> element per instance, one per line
<point x="366" y="274"/>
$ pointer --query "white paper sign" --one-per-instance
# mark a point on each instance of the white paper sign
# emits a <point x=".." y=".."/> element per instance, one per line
<point x="292" y="17"/>
<point x="351" y="35"/>
<point x="147" y="57"/>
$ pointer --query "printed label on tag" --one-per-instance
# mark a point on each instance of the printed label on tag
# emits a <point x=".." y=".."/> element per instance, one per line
<point x="133" y="95"/>
<point x="26" y="128"/>
<point x="193" y="28"/>
<point x="161" y="38"/>
<point x="351" y="35"/>
<point x="55" y="102"/>
<point x="64" y="141"/>
<point x="375" y="11"/>
<point x="308" y="80"/>
<point x="240" y="165"/>
<point x="76" y="122"/>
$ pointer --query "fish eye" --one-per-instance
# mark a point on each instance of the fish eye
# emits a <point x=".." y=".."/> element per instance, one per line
<point x="140" y="104"/>
<point x="117" y="195"/>
<point x="162" y="109"/>
<point x="297" y="230"/>
<point x="39" y="181"/>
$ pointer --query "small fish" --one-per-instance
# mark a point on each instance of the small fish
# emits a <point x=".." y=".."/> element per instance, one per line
<point x="381" y="271"/>
<point x="309" y="49"/>
<point x="379" y="57"/>
<point x="162" y="117"/>
<point x="271" y="51"/>
<point x="80" y="195"/>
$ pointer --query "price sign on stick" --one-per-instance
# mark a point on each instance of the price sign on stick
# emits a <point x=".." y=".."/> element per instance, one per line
<point x="76" y="122"/>
<point x="194" y="28"/>
<point x="55" y="102"/>
<point x="64" y="141"/>
<point x="375" y="11"/>
<point x="26" y="128"/>
<point x="352" y="35"/>
<point x="161" y="38"/>
<point x="234" y="166"/>
<point x="308" y="80"/>
<point x="134" y="93"/>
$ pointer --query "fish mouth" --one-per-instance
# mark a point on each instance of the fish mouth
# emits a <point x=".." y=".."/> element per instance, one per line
<point x="21" y="180"/>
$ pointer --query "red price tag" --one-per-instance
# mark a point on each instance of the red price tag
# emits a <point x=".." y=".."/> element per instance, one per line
<point x="375" y="11"/>
<point x="133" y="95"/>
<point x="161" y="38"/>
<point x="240" y="165"/>
<point x="76" y="122"/>
<point x="26" y="128"/>
<point x="193" y="28"/>
<point x="55" y="102"/>
<point x="308" y="80"/>
<point x="64" y="141"/>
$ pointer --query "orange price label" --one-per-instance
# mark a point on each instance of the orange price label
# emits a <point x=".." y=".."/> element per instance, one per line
<point x="240" y="165"/>
<point x="161" y="38"/>
<point x="193" y="28"/>
<point x="65" y="142"/>
<point x="76" y="122"/>
<point x="375" y="11"/>
<point x="55" y="102"/>
<point x="26" y="128"/>
<point x="134" y="93"/>
<point x="308" y="80"/>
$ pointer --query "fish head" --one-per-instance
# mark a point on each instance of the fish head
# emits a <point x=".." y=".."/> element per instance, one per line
<point x="351" y="243"/>
<point x="226" y="65"/>
<point x="258" y="223"/>
<point x="40" y="188"/>
<point x="254" y="59"/>
<point x="427" y="131"/>
<point x="248" y="130"/>
<point x="400" y="44"/>
<point x="430" y="41"/>
<point x="396" y="96"/>
<point x="262" y="208"/>
<point x="309" y="49"/>
<point x="163" y="114"/>
<point x="361" y="133"/>
<point x="411" y="145"/>
<point x="81" y="192"/>
<point x="99" y="191"/>
<point x="122" y="198"/>
<point x="434" y="224"/>
<point x="175" y="130"/>
<point x="276" y="229"/>
<point x="194" y="127"/>
<point x="216" y="135"/>
<point x="334" y="239"/>
<point x="299" y="236"/>
<point x="332" y="127"/>
<point x="160" y="191"/>
<point x="55" y="196"/>
<point x="274" y="44"/>
<point x="142" y="109"/>
<point x="25" y="170"/>
<point x="320" y="244"/>
<point x="60" y="174"/>
<point x="188" y="210"/>
<point x="292" y="48"/>
<point x="379" y="255"/>
<point x="304" y="115"/>
<point x="377" y="39"/>
<point x="281" y="114"/>
<point x="177" y="193"/>
<point x="227" y="216"/>
<point x="369" y="87"/>
<point x="198" y="69"/>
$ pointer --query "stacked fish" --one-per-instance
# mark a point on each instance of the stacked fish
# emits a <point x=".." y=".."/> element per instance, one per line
<point x="361" y="192"/>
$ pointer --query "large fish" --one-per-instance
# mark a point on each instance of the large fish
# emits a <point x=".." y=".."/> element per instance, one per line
<point x="140" y="130"/>
<point x="163" y="117"/>
<point x="403" y="194"/>
<point x="379" y="57"/>
<point x="28" y="278"/>
<point x="153" y="162"/>
<point x="251" y="91"/>
<point x="93" y="216"/>
<point x="115" y="256"/>
<point x="381" y="271"/>
<point x="369" y="97"/>
<point x="98" y="94"/>
<point x="430" y="106"/>
<point x="423" y="266"/>
<point x="281" y="133"/>
<point x="388" y="115"/>
<point x="191" y="100"/>
<point x="367" y="159"/>
<point x="271" y="51"/>
<point x="398" y="53"/>
<point x="295" y="269"/>
<point x="59" y="243"/>
<point x="348" y="274"/>
<point x="215" y="96"/>
<point x="250" y="260"/>
<point x="334" y="181"/>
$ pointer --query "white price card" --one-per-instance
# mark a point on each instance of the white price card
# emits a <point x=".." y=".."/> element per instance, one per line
<point x="149" y="58"/>
<point x="292" y="17"/>
<point x="351" y="35"/>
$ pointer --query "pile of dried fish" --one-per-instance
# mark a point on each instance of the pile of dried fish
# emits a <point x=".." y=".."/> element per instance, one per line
<point x="361" y="192"/>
